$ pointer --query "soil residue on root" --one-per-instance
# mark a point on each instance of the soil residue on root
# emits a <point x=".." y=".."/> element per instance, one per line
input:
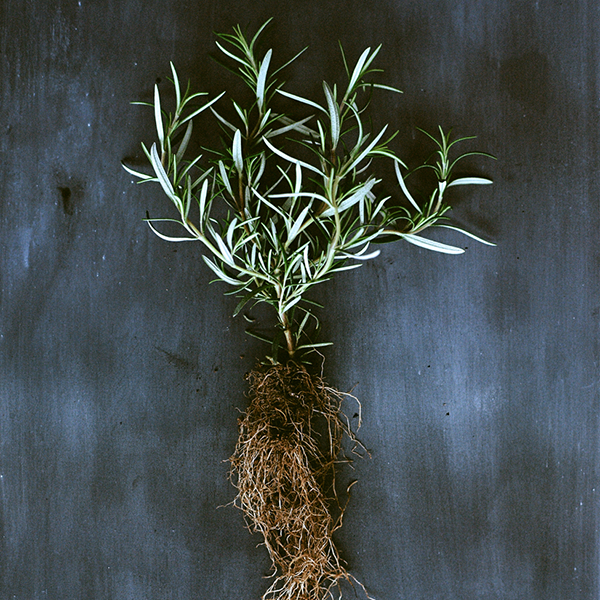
<point x="284" y="470"/>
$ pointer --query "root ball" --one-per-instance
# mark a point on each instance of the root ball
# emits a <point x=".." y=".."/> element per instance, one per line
<point x="284" y="470"/>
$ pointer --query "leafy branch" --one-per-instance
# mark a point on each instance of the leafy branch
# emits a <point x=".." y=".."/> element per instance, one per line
<point x="298" y="197"/>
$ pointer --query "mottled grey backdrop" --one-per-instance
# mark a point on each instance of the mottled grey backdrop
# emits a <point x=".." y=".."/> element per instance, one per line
<point x="121" y="372"/>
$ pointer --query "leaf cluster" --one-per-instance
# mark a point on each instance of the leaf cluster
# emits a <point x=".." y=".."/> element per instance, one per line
<point x="289" y="201"/>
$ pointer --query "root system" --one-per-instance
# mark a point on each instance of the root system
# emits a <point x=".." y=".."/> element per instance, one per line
<point x="284" y="470"/>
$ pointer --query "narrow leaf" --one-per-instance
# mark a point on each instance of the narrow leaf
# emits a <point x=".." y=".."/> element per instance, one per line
<point x="219" y="272"/>
<point x="470" y="181"/>
<point x="136" y="173"/>
<point x="185" y="141"/>
<point x="167" y="237"/>
<point x="225" y="253"/>
<point x="262" y="78"/>
<point x="264" y="120"/>
<point x="158" y="118"/>
<point x="247" y="299"/>
<point x="430" y="244"/>
<point x="346" y="268"/>
<point x="188" y="199"/>
<point x="389" y="88"/>
<point x="199" y="110"/>
<point x="291" y="303"/>
<point x="404" y="188"/>
<point x="225" y="177"/>
<point x="298" y="224"/>
<point x="237" y="151"/>
<point x="303" y="100"/>
<point x="359" y="195"/>
<point x="257" y="34"/>
<point x="296" y="125"/>
<point x="317" y="345"/>
<point x="163" y="178"/>
<point x="358" y="70"/>
<point x="269" y="204"/>
<point x="176" y="84"/>
<point x="292" y="160"/>
<point x="231" y="55"/>
<point x="202" y="201"/>
<point x="366" y="151"/>
<point x="223" y="120"/>
<point x="230" y="231"/>
<point x="334" y="115"/>
<point x="482" y="241"/>
<point x="356" y="197"/>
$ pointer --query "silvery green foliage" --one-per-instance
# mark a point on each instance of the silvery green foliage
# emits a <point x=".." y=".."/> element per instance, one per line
<point x="301" y="196"/>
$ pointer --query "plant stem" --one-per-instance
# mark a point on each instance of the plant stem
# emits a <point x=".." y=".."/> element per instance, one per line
<point x="289" y="336"/>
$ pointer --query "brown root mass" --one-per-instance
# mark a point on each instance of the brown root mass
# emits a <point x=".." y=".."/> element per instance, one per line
<point x="283" y="468"/>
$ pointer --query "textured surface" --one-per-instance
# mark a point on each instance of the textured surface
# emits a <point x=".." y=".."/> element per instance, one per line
<point x="121" y="371"/>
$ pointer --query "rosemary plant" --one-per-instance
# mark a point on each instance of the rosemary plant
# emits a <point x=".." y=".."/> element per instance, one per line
<point x="290" y="199"/>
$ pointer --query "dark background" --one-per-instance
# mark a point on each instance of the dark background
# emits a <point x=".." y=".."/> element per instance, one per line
<point x="122" y="371"/>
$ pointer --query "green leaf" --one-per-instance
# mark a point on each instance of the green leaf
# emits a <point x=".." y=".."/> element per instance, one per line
<point x="430" y="244"/>
<point x="176" y="84"/>
<point x="262" y="78"/>
<point x="202" y="108"/>
<point x="225" y="177"/>
<point x="470" y="181"/>
<point x="292" y="160"/>
<point x="389" y="88"/>
<point x="344" y="58"/>
<point x="247" y="299"/>
<point x="202" y="200"/>
<point x="318" y="345"/>
<point x="224" y="251"/>
<point x="404" y="188"/>
<point x="231" y="55"/>
<point x="334" y="115"/>
<point x="480" y="240"/>
<point x="237" y="151"/>
<point x="257" y="34"/>
<point x="290" y="304"/>
<point x="230" y="231"/>
<point x="262" y="338"/>
<point x="224" y="121"/>
<point x="356" y="74"/>
<point x="296" y="125"/>
<point x="356" y="197"/>
<point x="219" y="272"/>
<point x="185" y="141"/>
<point x="298" y="224"/>
<point x="242" y="113"/>
<point x="202" y="177"/>
<point x="136" y="173"/>
<point x="158" y="119"/>
<point x="289" y="62"/>
<point x="167" y="237"/>
<point x="264" y="120"/>
<point x="353" y="164"/>
<point x="303" y="100"/>
<point x="188" y="200"/>
<point x="163" y="178"/>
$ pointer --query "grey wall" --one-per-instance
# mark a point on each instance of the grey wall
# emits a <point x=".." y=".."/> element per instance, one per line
<point x="122" y="372"/>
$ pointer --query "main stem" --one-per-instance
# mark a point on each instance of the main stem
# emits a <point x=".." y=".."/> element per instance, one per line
<point x="289" y="336"/>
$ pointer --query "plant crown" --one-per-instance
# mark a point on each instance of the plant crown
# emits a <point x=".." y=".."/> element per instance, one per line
<point x="300" y="194"/>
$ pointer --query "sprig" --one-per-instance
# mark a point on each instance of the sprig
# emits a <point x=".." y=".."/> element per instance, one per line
<point x="275" y="238"/>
